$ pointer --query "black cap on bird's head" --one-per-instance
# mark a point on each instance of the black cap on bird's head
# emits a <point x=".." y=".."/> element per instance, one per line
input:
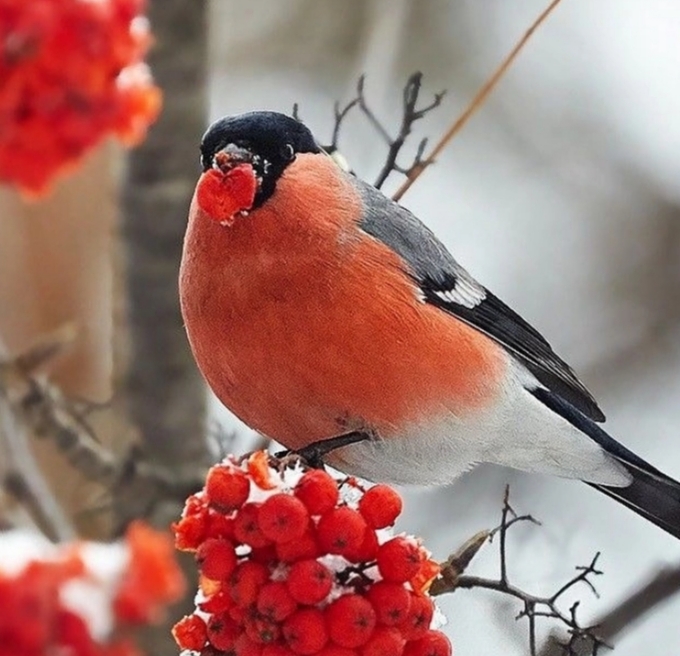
<point x="268" y="141"/>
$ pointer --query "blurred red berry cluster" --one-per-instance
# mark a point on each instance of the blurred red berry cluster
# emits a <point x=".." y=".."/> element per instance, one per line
<point x="295" y="562"/>
<point x="75" y="599"/>
<point x="71" y="72"/>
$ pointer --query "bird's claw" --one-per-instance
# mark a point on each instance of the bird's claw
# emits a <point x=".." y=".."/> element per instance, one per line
<point x="314" y="453"/>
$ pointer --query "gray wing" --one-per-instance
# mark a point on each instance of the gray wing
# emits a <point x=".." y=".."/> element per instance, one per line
<point x="448" y="286"/>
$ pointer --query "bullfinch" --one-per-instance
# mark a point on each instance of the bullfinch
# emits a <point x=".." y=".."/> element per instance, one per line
<point x="319" y="311"/>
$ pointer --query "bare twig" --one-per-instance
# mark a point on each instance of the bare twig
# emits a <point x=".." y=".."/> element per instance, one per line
<point x="409" y="116"/>
<point x="533" y="606"/>
<point x="341" y="113"/>
<point x="17" y="486"/>
<point x="663" y="585"/>
<point x="296" y="112"/>
<point x="27" y="482"/>
<point x="474" y="105"/>
<point x="411" y="113"/>
<point x="39" y="407"/>
<point x="46" y="349"/>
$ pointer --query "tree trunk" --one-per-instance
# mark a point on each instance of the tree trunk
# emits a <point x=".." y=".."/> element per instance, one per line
<point x="166" y="394"/>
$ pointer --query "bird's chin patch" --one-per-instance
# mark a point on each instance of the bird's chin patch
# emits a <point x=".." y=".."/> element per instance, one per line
<point x="226" y="195"/>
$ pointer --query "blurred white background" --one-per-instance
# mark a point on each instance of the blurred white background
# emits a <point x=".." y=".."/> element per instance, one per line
<point x="562" y="196"/>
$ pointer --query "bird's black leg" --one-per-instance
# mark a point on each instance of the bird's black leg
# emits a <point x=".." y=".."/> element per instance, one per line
<point x="314" y="453"/>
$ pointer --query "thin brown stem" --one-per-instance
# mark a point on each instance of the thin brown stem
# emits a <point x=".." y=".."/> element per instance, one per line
<point x="22" y="475"/>
<point x="411" y="113"/>
<point x="663" y="585"/>
<point x="474" y="105"/>
<point x="533" y="606"/>
<point x="37" y="407"/>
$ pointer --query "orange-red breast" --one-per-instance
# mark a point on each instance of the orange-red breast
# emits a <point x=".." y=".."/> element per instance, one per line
<point x="315" y="306"/>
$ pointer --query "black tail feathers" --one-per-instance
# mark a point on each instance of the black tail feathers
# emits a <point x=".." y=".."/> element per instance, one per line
<point x="652" y="494"/>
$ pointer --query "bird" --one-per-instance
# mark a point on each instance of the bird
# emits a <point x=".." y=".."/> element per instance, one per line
<point x="321" y="312"/>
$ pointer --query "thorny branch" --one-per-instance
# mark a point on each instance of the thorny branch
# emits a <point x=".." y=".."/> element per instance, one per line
<point x="36" y="406"/>
<point x="411" y="112"/>
<point x="534" y="607"/>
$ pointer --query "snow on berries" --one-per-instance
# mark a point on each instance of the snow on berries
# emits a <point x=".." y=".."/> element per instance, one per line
<point x="293" y="562"/>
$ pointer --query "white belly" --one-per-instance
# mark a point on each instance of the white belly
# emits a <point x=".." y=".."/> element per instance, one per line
<point x="519" y="432"/>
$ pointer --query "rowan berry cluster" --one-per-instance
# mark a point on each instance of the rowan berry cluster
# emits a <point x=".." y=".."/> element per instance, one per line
<point x="74" y="599"/>
<point x="72" y="72"/>
<point x="295" y="562"/>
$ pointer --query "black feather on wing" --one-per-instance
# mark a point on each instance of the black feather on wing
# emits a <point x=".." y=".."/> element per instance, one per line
<point x="448" y="286"/>
<point x="494" y="318"/>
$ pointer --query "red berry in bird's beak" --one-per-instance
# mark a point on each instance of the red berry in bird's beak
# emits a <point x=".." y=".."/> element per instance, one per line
<point x="224" y="192"/>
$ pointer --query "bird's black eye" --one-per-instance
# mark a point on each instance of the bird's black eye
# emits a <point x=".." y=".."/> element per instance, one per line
<point x="288" y="153"/>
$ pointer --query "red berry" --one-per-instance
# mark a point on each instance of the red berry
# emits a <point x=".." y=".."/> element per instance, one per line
<point x="227" y="488"/>
<point x="190" y="530"/>
<point x="283" y="518"/>
<point x="219" y="525"/>
<point x="385" y="641"/>
<point x="336" y="650"/>
<point x="262" y="630"/>
<point x="258" y="465"/>
<point x="276" y="650"/>
<point x="239" y="614"/>
<point x="190" y="633"/>
<point x="217" y="603"/>
<point x="265" y="555"/>
<point x="341" y="530"/>
<point x="309" y="581"/>
<point x="398" y="560"/>
<point x="247" y="527"/>
<point x="318" y="490"/>
<point x="418" y="618"/>
<point x="223" y="631"/>
<point x="351" y="620"/>
<point x="275" y="601"/>
<point x="244" y="646"/>
<point x="216" y="559"/>
<point x="391" y="602"/>
<point x="195" y="505"/>
<point x="380" y="506"/>
<point x="433" y="643"/>
<point x="367" y="550"/>
<point x="305" y="547"/>
<point x="246" y="582"/>
<point x="305" y="631"/>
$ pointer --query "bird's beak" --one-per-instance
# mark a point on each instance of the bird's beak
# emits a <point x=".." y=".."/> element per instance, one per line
<point x="231" y="156"/>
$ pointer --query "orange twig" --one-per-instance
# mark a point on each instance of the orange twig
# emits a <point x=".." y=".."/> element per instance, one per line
<point x="475" y="104"/>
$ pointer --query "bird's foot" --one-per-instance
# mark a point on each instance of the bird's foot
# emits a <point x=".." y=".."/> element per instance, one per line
<point x="314" y="453"/>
